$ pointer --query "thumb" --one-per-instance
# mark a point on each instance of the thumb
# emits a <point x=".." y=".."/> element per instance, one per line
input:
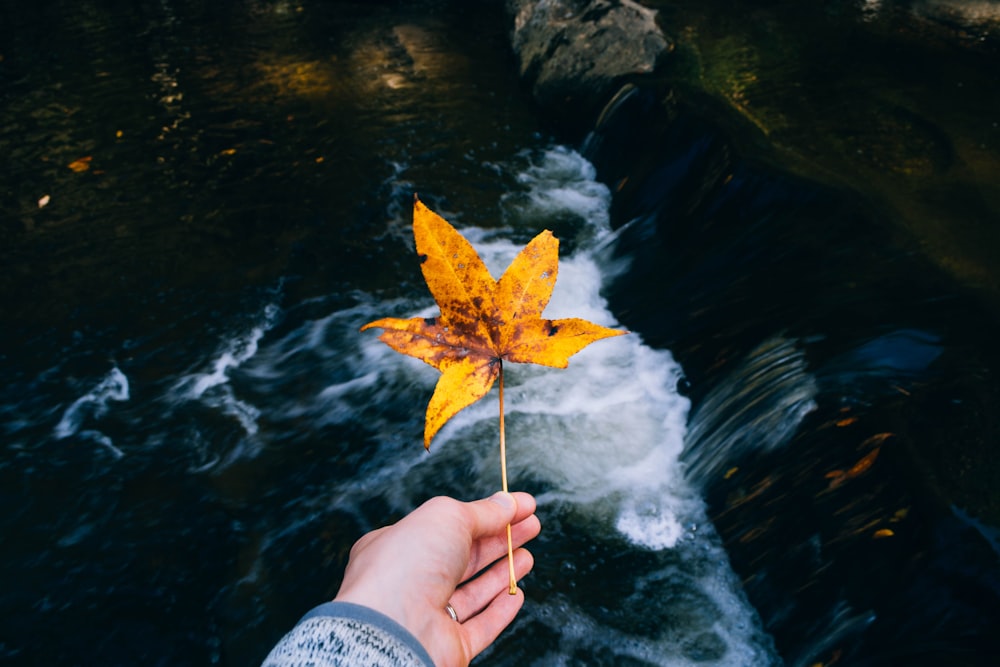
<point x="491" y="515"/>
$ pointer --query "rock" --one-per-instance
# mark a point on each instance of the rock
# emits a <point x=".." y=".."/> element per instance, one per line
<point x="575" y="54"/>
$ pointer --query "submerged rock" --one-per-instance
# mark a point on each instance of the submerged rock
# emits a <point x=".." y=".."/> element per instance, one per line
<point x="575" y="54"/>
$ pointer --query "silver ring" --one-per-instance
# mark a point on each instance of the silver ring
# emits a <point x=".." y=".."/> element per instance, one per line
<point x="451" y="612"/>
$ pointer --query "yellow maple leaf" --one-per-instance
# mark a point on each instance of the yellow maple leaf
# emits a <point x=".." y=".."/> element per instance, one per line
<point x="483" y="322"/>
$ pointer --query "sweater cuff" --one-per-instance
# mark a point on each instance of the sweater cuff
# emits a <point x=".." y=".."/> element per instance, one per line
<point x="368" y="615"/>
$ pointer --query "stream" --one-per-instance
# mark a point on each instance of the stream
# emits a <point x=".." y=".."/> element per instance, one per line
<point x="203" y="202"/>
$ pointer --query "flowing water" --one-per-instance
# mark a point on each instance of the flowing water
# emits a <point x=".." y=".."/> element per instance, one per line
<point x="194" y="430"/>
<point x="204" y="203"/>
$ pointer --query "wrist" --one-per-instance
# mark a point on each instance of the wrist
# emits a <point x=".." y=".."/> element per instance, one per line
<point x="386" y="600"/>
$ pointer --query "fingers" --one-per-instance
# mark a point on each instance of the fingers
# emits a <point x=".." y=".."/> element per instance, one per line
<point x="490" y="515"/>
<point x="489" y="528"/>
<point x="475" y="595"/>
<point x="480" y="631"/>
<point x="488" y="549"/>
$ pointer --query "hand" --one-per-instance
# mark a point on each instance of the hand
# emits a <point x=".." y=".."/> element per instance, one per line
<point x="409" y="571"/>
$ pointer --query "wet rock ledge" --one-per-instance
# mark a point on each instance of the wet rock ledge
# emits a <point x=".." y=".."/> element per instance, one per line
<point x="576" y="54"/>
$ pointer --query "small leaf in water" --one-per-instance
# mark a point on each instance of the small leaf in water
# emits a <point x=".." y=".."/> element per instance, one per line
<point x="80" y="165"/>
<point x="864" y="463"/>
<point x="882" y="532"/>
<point x="837" y="477"/>
<point x="44" y="201"/>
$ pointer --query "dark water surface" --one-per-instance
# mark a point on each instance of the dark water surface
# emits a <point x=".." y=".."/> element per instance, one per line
<point x="243" y="161"/>
<point x="203" y="201"/>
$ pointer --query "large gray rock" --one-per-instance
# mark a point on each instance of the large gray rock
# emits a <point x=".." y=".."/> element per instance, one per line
<point x="575" y="54"/>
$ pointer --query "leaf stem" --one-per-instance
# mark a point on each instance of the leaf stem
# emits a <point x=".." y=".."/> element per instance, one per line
<point x="503" y="479"/>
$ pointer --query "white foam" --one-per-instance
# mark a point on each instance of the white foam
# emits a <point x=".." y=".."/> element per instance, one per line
<point x="561" y="182"/>
<point x="212" y="388"/>
<point x="236" y="351"/>
<point x="94" y="404"/>
<point x="649" y="527"/>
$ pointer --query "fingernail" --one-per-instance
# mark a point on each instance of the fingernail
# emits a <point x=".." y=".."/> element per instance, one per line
<point x="505" y="500"/>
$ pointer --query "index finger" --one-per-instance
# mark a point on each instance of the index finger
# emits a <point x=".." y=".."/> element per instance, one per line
<point x="490" y="516"/>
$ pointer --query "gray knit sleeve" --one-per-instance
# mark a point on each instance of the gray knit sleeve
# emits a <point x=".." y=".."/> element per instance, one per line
<point x="341" y="634"/>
